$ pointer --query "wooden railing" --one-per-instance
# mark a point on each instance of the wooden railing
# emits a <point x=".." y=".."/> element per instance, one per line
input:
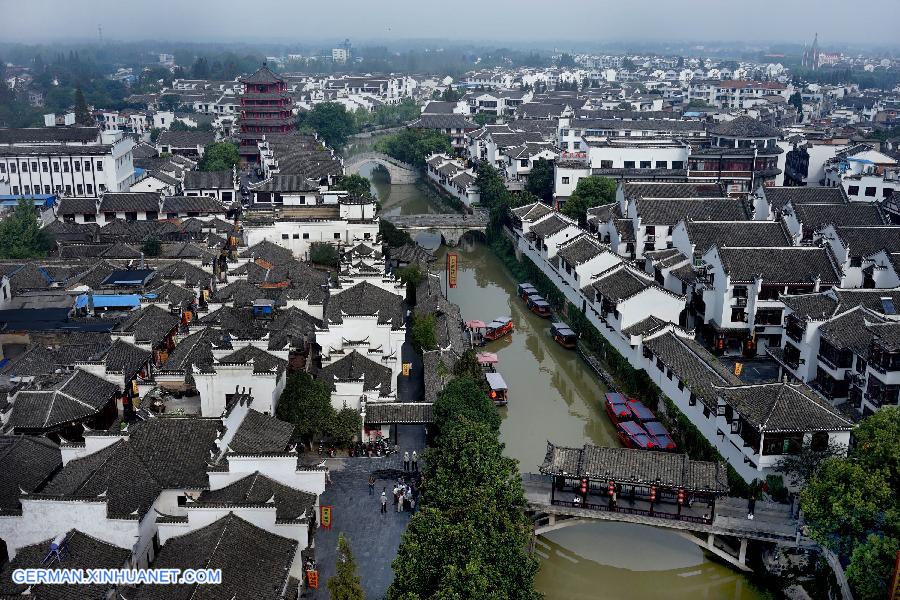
<point x="632" y="511"/>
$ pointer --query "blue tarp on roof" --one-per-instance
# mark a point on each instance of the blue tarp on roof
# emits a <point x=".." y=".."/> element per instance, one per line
<point x="47" y="200"/>
<point x="109" y="300"/>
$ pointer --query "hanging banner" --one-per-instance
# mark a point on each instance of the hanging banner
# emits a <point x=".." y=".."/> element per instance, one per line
<point x="325" y="516"/>
<point x="312" y="578"/>
<point x="406" y="367"/>
<point x="738" y="368"/>
<point x="452" y="268"/>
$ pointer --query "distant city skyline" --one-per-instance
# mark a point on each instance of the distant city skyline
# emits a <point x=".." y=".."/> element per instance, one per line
<point x="577" y="22"/>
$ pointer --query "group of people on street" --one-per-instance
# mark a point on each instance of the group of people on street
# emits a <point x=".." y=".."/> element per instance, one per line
<point x="406" y="461"/>
<point x="405" y="496"/>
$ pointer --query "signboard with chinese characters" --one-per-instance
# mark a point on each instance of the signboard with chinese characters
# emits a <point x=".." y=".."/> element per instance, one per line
<point x="325" y="516"/>
<point x="452" y="268"/>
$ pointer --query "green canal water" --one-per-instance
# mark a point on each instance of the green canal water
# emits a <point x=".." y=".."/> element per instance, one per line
<point x="555" y="396"/>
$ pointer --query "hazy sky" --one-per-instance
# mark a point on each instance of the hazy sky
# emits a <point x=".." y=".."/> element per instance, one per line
<point x="837" y="21"/>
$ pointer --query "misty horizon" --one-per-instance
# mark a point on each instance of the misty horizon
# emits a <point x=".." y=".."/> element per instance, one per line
<point x="577" y="23"/>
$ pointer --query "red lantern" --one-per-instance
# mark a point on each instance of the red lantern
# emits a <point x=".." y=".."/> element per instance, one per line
<point x="584" y="485"/>
<point x="680" y="496"/>
<point x="611" y="487"/>
<point x="652" y="493"/>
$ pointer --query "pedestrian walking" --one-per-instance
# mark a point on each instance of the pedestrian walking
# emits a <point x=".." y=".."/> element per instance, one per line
<point x="384" y="501"/>
<point x="400" y="501"/>
<point x="396" y="494"/>
<point x="371" y="485"/>
<point x="406" y="461"/>
<point x="415" y="461"/>
<point x="751" y="506"/>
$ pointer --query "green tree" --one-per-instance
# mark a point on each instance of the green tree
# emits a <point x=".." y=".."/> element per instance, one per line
<point x="345" y="426"/>
<point x="876" y="443"/>
<point x="450" y="95"/>
<point x="464" y="397"/>
<point x="83" y="114"/>
<point x="871" y="567"/>
<point x="391" y="235"/>
<point x="151" y="247"/>
<point x="219" y="156"/>
<point x="331" y="121"/>
<point x="323" y="253"/>
<point x="843" y="502"/>
<point x="590" y="192"/>
<point x="423" y="336"/>
<point x="357" y="185"/>
<point x="470" y="538"/>
<point x="412" y="276"/>
<point x="21" y="235"/>
<point x="169" y="102"/>
<point x="485" y="118"/>
<point x="345" y="584"/>
<point x="154" y="134"/>
<point x="200" y="68"/>
<point x="540" y="180"/>
<point x="414" y="146"/>
<point x="468" y="366"/>
<point x="306" y="402"/>
<point x="801" y="467"/>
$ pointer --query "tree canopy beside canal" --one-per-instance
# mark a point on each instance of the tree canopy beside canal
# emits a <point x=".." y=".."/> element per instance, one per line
<point x="331" y="121"/>
<point x="413" y="146"/>
<point x="590" y="192"/>
<point x="470" y="537"/>
<point x="851" y="504"/>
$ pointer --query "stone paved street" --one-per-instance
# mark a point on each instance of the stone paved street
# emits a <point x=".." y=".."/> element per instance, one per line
<point x="374" y="537"/>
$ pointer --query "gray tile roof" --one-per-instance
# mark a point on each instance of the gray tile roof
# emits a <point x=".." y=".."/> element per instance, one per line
<point x="149" y="325"/>
<point x="580" y="249"/>
<point x="866" y="241"/>
<point x="780" y="265"/>
<point x="54" y="400"/>
<point x="26" y="462"/>
<point x="657" y="211"/>
<point x="126" y="358"/>
<point x="43" y="135"/>
<point x="116" y="473"/>
<point x="815" y="216"/>
<point x="673" y="190"/>
<point x="443" y="121"/>
<point x="84" y="552"/>
<point x="849" y="330"/>
<point x="705" y="234"/>
<point x="200" y="204"/>
<point x="692" y="364"/>
<point x="186" y="139"/>
<point x="354" y="367"/>
<point x="745" y="127"/>
<point x="263" y="362"/>
<point x="77" y="206"/>
<point x="550" y="226"/>
<point x="532" y="212"/>
<point x="129" y="202"/>
<point x="261" y="434"/>
<point x="176" y="449"/>
<point x="226" y="544"/>
<point x="258" y="490"/>
<point x="209" y="180"/>
<point x="365" y="299"/>
<point x="621" y="283"/>
<point x="630" y="466"/>
<point x="780" y="407"/>
<point x="399" y="412"/>
<point x="779" y="197"/>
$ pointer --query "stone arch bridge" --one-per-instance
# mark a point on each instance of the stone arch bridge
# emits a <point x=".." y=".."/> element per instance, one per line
<point x="399" y="171"/>
<point x="452" y="227"/>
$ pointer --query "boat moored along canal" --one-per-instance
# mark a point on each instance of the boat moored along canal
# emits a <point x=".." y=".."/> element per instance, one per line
<point x="564" y="336"/>
<point x="498" y="393"/>
<point x="524" y="290"/>
<point x="496" y="329"/>
<point x="539" y="306"/>
<point x="632" y="435"/>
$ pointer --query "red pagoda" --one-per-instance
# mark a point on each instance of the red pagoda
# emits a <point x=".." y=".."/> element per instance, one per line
<point x="265" y="108"/>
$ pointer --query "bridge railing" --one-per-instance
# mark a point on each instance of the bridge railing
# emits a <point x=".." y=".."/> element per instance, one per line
<point x="633" y="511"/>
